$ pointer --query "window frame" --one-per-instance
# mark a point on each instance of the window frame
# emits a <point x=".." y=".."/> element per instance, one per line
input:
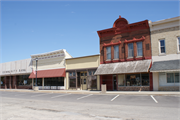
<point x="108" y="52"/>
<point x="178" y="44"/>
<point x="160" y="53"/>
<point x="116" y="52"/>
<point x="173" y="78"/>
<point x="132" y="50"/>
<point x="141" y="48"/>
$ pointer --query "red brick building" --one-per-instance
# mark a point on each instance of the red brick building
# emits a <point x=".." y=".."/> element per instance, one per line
<point x="125" y="56"/>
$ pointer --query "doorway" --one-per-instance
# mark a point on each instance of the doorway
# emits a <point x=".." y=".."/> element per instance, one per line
<point x="114" y="82"/>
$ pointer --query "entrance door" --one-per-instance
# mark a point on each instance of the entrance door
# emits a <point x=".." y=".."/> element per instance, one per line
<point x="78" y="80"/>
<point x="84" y="80"/>
<point x="114" y="82"/>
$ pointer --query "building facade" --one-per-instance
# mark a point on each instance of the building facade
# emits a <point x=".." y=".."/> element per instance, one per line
<point x="15" y="74"/>
<point x="80" y="73"/>
<point x="125" y="56"/>
<point x="51" y="73"/>
<point x="165" y="42"/>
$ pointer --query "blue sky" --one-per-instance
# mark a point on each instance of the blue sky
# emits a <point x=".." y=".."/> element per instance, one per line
<point x="42" y="26"/>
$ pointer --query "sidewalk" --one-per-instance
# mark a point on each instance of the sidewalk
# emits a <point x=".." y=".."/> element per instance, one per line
<point x="98" y="92"/>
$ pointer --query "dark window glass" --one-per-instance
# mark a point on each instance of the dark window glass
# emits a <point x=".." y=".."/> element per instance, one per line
<point x="70" y="73"/>
<point x="72" y="82"/>
<point x="82" y="74"/>
<point x="85" y="74"/>
<point x="176" y="77"/>
<point x="2" y="81"/>
<point x="74" y="74"/>
<point x="133" y="80"/>
<point x="162" y="46"/>
<point x="139" y="49"/>
<point x="108" y="53"/>
<point x="90" y="72"/>
<point x="47" y="81"/>
<point x="23" y="80"/>
<point x="145" y="79"/>
<point x="39" y="81"/>
<point x="60" y="81"/>
<point x="84" y="81"/>
<point x="170" y="78"/>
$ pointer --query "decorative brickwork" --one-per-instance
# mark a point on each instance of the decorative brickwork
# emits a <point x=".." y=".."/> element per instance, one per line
<point x="169" y="88"/>
<point x="134" y="88"/>
<point x="121" y="34"/>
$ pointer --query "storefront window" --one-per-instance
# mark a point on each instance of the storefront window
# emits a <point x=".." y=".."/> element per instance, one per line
<point x="39" y="81"/>
<point x="2" y="81"/>
<point x="57" y="81"/>
<point x="121" y="80"/>
<point x="72" y="81"/>
<point x="94" y="82"/>
<point x="23" y="80"/>
<point x="176" y="77"/>
<point x="133" y="80"/>
<point x="145" y="79"/>
<point x="170" y="78"/>
<point x="60" y="81"/>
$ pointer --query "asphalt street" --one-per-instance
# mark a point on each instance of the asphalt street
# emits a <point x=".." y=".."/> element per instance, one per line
<point x="151" y="103"/>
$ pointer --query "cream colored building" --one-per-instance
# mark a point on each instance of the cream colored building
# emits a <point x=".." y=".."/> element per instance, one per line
<point x="165" y="42"/>
<point x="50" y="69"/>
<point x="80" y="73"/>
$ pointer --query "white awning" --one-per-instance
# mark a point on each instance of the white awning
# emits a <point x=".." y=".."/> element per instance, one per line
<point x="124" y="67"/>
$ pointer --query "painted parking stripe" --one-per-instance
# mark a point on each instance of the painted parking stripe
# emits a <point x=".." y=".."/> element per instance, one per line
<point x="41" y="94"/>
<point x="60" y="95"/>
<point x="114" y="98"/>
<point x="84" y="96"/>
<point x="154" y="99"/>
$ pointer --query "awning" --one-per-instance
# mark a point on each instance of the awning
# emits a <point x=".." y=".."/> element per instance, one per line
<point x="124" y="67"/>
<point x="165" y="66"/>
<point x="49" y="73"/>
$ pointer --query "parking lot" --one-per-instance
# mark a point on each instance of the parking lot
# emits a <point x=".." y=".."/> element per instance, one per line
<point x="109" y="106"/>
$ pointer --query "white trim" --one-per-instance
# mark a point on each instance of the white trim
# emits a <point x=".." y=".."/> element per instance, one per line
<point x="160" y="46"/>
<point x="166" y="70"/>
<point x="178" y="51"/>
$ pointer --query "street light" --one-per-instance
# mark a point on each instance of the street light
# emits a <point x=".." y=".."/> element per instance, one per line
<point x="36" y="70"/>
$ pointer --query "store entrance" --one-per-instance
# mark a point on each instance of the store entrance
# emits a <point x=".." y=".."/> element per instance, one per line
<point x="114" y="82"/>
<point x="83" y="76"/>
<point x="78" y="80"/>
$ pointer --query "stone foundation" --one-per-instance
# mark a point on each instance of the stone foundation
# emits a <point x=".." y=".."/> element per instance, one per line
<point x="169" y="88"/>
<point x="134" y="88"/>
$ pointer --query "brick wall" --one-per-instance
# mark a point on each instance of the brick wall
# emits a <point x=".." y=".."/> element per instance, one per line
<point x="138" y="30"/>
<point x="134" y="88"/>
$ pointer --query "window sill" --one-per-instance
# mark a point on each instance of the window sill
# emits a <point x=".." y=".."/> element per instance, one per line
<point x="162" y="54"/>
<point x="108" y="60"/>
<point x="116" y="59"/>
<point x="130" y="57"/>
<point x="139" y="56"/>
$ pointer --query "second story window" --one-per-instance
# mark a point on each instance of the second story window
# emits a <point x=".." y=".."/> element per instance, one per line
<point x="178" y="44"/>
<point x="130" y="50"/>
<point x="139" y="49"/>
<point x="116" y="52"/>
<point x="162" y="46"/>
<point x="108" y="53"/>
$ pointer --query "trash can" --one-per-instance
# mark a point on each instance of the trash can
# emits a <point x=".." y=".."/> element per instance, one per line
<point x="103" y="88"/>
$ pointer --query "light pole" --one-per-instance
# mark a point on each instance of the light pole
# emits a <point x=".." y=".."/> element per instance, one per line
<point x="36" y="70"/>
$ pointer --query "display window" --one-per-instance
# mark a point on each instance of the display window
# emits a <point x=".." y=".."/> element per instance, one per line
<point x="23" y="80"/>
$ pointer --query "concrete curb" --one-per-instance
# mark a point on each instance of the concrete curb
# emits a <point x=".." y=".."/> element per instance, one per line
<point x="99" y="92"/>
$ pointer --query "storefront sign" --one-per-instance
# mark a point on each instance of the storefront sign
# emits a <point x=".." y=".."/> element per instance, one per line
<point x="14" y="71"/>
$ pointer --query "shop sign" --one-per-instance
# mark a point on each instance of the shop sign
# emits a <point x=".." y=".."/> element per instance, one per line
<point x="14" y="71"/>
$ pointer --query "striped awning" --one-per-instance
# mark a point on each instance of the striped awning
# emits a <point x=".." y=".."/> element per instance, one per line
<point x="124" y="67"/>
<point x="49" y="73"/>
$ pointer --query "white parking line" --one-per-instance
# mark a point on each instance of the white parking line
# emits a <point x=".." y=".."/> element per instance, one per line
<point x="42" y="94"/>
<point x="154" y="99"/>
<point x="84" y="96"/>
<point x="60" y="95"/>
<point x="114" y="98"/>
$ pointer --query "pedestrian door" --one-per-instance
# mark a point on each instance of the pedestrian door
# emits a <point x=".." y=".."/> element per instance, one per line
<point x="83" y="76"/>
